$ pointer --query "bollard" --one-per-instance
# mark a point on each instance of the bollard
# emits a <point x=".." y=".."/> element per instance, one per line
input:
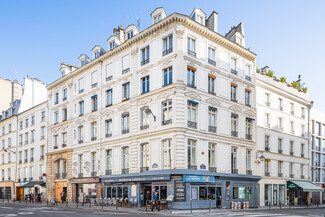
<point x="307" y="204"/>
<point x="77" y="204"/>
<point x="317" y="204"/>
<point x="280" y="205"/>
<point x="116" y="204"/>
<point x="89" y="204"/>
<point x="146" y="207"/>
<point x="269" y="205"/>
<point x="209" y="205"/>
<point x="191" y="205"/>
<point x="66" y="203"/>
<point x="102" y="204"/>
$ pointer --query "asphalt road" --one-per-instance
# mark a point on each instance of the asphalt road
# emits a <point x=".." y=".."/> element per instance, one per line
<point x="9" y="210"/>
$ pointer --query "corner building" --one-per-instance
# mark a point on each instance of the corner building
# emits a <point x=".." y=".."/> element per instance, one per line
<point x="170" y="109"/>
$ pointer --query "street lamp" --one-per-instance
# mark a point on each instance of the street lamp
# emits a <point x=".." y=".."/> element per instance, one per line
<point x="260" y="158"/>
<point x="6" y="150"/>
<point x="149" y="111"/>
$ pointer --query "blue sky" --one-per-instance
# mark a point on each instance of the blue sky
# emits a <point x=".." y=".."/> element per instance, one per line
<point x="36" y="36"/>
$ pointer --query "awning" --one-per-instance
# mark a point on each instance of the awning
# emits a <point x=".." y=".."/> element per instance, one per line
<point x="305" y="185"/>
<point x="32" y="184"/>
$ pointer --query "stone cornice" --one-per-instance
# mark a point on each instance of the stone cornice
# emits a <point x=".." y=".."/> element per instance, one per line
<point x="173" y="18"/>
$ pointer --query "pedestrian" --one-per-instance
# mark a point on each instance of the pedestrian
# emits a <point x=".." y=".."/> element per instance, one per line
<point x="81" y="198"/>
<point x="147" y="197"/>
<point x="62" y="197"/>
<point x="154" y="202"/>
<point x="39" y="198"/>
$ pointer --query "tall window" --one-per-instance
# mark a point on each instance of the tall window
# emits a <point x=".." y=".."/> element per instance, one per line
<point x="234" y="160"/>
<point x="267" y="99"/>
<point x="211" y="56"/>
<point x="145" y="55"/>
<point x="302" y="171"/>
<point x="267" y="143"/>
<point x="234" y="66"/>
<point x="144" y="157"/>
<point x="191" y="46"/>
<point x="281" y="104"/>
<point x="303" y="112"/>
<point x="302" y="150"/>
<point x="212" y="157"/>
<point x="126" y="91"/>
<point x="94" y="103"/>
<point x="56" y="98"/>
<point x="93" y="131"/>
<point x="267" y="167"/>
<point x="112" y="45"/>
<point x="129" y="34"/>
<point x="65" y="94"/>
<point x="292" y="108"/>
<point x="56" y="117"/>
<point x="81" y="108"/>
<point x="233" y="92"/>
<point x="9" y="128"/>
<point x="93" y="163"/>
<point x="168" y="75"/>
<point x="234" y="125"/>
<point x="248" y="72"/>
<point x="212" y="119"/>
<point x="145" y="84"/>
<point x="248" y="97"/>
<point x="191" y="77"/>
<point x="108" y="128"/>
<point x="80" y="134"/>
<point x="33" y="120"/>
<point x="249" y="128"/>
<point x="9" y="142"/>
<point x="126" y="64"/>
<point x="191" y="114"/>
<point x="280" y="168"/>
<point x="109" y="97"/>
<point x="167" y="154"/>
<point x="80" y="164"/>
<point x="280" y="123"/>
<point x="56" y="140"/>
<point x="191" y="154"/>
<point x="125" y="123"/>
<point x="144" y="119"/>
<point x="108" y="162"/>
<point x="64" y="114"/>
<point x="292" y="127"/>
<point x="167" y="45"/>
<point x="43" y="116"/>
<point x="280" y="145"/>
<point x="125" y="159"/>
<point x="42" y="132"/>
<point x="157" y="18"/>
<point x="248" y="162"/>
<point x="167" y="109"/>
<point x="211" y="82"/>
<point x="64" y="138"/>
<point x="291" y="147"/>
<point x="267" y="120"/>
<point x="291" y="169"/>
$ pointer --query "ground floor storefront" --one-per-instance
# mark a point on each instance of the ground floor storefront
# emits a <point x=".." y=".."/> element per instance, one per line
<point x="7" y="190"/>
<point x="91" y="187"/>
<point x="36" y="188"/>
<point x="300" y="192"/>
<point x="273" y="192"/>
<point x="187" y="188"/>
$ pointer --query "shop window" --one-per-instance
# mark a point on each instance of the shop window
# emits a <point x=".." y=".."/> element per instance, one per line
<point x="242" y="193"/>
<point x="203" y="193"/>
<point x="211" y="193"/>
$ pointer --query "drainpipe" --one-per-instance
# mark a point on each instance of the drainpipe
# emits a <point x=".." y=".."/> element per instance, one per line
<point x="100" y="120"/>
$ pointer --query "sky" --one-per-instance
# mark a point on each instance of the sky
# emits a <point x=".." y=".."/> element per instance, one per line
<point x="36" y="36"/>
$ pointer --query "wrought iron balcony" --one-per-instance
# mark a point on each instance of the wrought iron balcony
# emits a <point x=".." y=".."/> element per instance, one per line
<point x="30" y="178"/>
<point x="234" y="171"/>
<point x="143" y="62"/>
<point x="144" y="127"/>
<point x="302" y="155"/>
<point x="109" y="78"/>
<point x="302" y="177"/>
<point x="125" y="171"/>
<point x="211" y="92"/>
<point x="31" y="159"/>
<point x="25" y="179"/>
<point x="64" y="98"/>
<point x="192" y="167"/>
<point x="80" y="141"/>
<point x="93" y="174"/>
<point x="192" y="53"/>
<point x="267" y="148"/>
<point x="248" y="78"/>
<point x="108" y="135"/>
<point x="212" y="62"/>
<point x="247" y="104"/>
<point x="249" y="136"/>
<point x="291" y="153"/>
<point x="292" y="175"/>
<point x="167" y="51"/>
<point x="166" y="122"/>
<point x="213" y="169"/>
<point x="64" y="175"/>
<point x="233" y="99"/>
<point x="280" y="151"/>
<point x="249" y="172"/>
<point x="80" y="175"/>
<point x="212" y="129"/>
<point x="55" y="103"/>
<point x="233" y="71"/>
<point x="142" y="169"/>
<point x="93" y="138"/>
<point x="108" y="172"/>
<point x="191" y="85"/>
<point x="125" y="131"/>
<point x="20" y="161"/>
<point x="108" y="105"/>
<point x="124" y="71"/>
<point x="267" y="174"/>
<point x="57" y="175"/>
<point x="234" y="133"/>
<point x="280" y="174"/>
<point x="25" y="161"/>
<point x="191" y="124"/>
<point x="81" y="91"/>
<point x="94" y="85"/>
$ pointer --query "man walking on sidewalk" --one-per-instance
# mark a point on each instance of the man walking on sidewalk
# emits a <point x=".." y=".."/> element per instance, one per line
<point x="154" y="202"/>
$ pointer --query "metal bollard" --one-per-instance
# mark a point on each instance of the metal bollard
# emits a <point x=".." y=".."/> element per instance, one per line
<point x="66" y="203"/>
<point x="317" y="204"/>
<point x="191" y="205"/>
<point x="280" y="205"/>
<point x="209" y="205"/>
<point x="102" y="205"/>
<point x="269" y="205"/>
<point x="89" y="204"/>
<point x="116" y="204"/>
<point x="307" y="204"/>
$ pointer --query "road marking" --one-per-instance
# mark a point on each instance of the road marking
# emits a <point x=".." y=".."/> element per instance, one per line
<point x="6" y="207"/>
<point x="57" y="211"/>
<point x="112" y="213"/>
<point x="25" y="213"/>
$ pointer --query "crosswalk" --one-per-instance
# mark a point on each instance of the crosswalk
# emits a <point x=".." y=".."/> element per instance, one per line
<point x="248" y="214"/>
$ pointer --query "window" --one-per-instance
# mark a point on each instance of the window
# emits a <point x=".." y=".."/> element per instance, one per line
<point x="212" y="119"/>
<point x="248" y="162"/>
<point x="81" y="108"/>
<point x="303" y="112"/>
<point x="234" y="125"/>
<point x="108" y="162"/>
<point x="145" y="55"/>
<point x="168" y="76"/>
<point x="267" y="143"/>
<point x="33" y="120"/>
<point x="81" y="84"/>
<point x="109" y="97"/>
<point x="55" y="141"/>
<point x="303" y="130"/>
<point x="191" y="77"/>
<point x="109" y="72"/>
<point x="3" y="130"/>
<point x="267" y="120"/>
<point x="280" y="123"/>
<point x="26" y="155"/>
<point x="93" y="163"/>
<point x="302" y="170"/>
<point x="280" y="145"/>
<point x="302" y="150"/>
<point x="167" y="45"/>
<point x="267" y="99"/>
<point x="157" y="18"/>
<point x="211" y="81"/>
<point x="26" y="138"/>
<point x="125" y="159"/>
<point x="56" y="117"/>
<point x="125" y="123"/>
<point x="249" y="128"/>
<point x="94" y="103"/>
<point x="31" y="154"/>
<point x="9" y="157"/>
<point x="292" y="108"/>
<point x="144" y="157"/>
<point x="3" y="144"/>
<point x="145" y="84"/>
<point x="21" y="124"/>
<point x="129" y="34"/>
<point x="56" y="98"/>
<point x="280" y="168"/>
<point x="211" y="56"/>
<point x="108" y="128"/>
<point x="32" y="135"/>
<point x="21" y="139"/>
<point x="291" y="169"/>
<point x="167" y="154"/>
<point x="191" y="47"/>
<point x="281" y="104"/>
<point x="234" y="66"/>
<point x="200" y="19"/>
<point x="27" y="122"/>
<point x="80" y="134"/>
<point x="291" y="147"/>
<point x="233" y="92"/>
<point x="212" y="157"/>
<point x="112" y="45"/>
<point x="94" y="78"/>
<point x="191" y="154"/>
<point x="191" y="114"/>
<point x="167" y="109"/>
<point x="9" y="128"/>
<point x="234" y="160"/>
<point x="43" y="116"/>
<point x="64" y="138"/>
<point x="125" y="64"/>
<point x="42" y="152"/>
<point x="93" y="128"/>
<point x="267" y="167"/>
<point x="64" y="114"/>
<point x="65" y="94"/>
<point x="144" y="119"/>
<point x="80" y="164"/>
<point x="248" y="97"/>
<point x="126" y="91"/>
<point x="292" y="127"/>
<point x="248" y="73"/>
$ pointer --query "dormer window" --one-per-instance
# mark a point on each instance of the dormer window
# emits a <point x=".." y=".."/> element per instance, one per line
<point x="157" y="18"/>
<point x="112" y="45"/>
<point x="83" y="62"/>
<point x="97" y="51"/>
<point x="200" y="19"/>
<point x="62" y="73"/>
<point x="129" y="34"/>
<point x="97" y="54"/>
<point x="199" y="16"/>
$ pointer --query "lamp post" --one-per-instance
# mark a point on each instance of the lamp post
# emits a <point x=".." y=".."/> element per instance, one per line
<point x="148" y="110"/>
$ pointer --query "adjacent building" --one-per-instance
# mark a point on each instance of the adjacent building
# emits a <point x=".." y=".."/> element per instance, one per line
<point x="10" y="91"/>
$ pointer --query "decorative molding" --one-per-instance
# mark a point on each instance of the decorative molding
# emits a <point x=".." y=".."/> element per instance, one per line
<point x="166" y="95"/>
<point x="92" y="117"/>
<point x="235" y="108"/>
<point x="249" y="113"/>
<point x="124" y="108"/>
<point x="79" y="122"/>
<point x="143" y="102"/>
<point x="180" y="30"/>
<point x="193" y="95"/>
<point x="108" y="112"/>
<point x="214" y="102"/>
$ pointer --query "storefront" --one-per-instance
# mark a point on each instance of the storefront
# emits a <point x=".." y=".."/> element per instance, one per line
<point x="90" y="186"/>
<point x="6" y="190"/>
<point x="197" y="187"/>
<point x="37" y="189"/>
<point x="300" y="192"/>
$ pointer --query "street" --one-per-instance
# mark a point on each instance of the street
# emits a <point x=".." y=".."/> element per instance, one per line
<point x="11" y="210"/>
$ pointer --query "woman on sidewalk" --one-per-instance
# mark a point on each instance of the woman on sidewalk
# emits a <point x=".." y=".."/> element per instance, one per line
<point x="82" y="198"/>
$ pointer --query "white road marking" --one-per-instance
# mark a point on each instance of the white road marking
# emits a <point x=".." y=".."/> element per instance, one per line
<point x="25" y="213"/>
<point x="112" y="213"/>
<point x="57" y="211"/>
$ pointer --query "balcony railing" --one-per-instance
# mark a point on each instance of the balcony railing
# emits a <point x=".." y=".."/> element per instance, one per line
<point x="211" y="92"/>
<point x="166" y="122"/>
<point x="57" y="175"/>
<point x="80" y="175"/>
<point x="56" y="102"/>
<point x="233" y="71"/>
<point x="292" y="175"/>
<point x="94" y="85"/>
<point x="64" y="98"/>
<point x="191" y="124"/>
<point x="302" y="155"/>
<point x="192" y="167"/>
<point x="109" y="78"/>
<point x="9" y="178"/>
<point x="124" y="71"/>
<point x="291" y="153"/>
<point x="144" y="127"/>
<point x="267" y="103"/>
<point x="125" y="171"/>
<point x="93" y="138"/>
<point x="42" y="137"/>
<point x="142" y="169"/>
<point x="234" y="171"/>
<point x="125" y="131"/>
<point x="267" y="173"/>
<point x="143" y="62"/>
<point x="249" y="137"/>
<point x="20" y="161"/>
<point x="234" y="133"/>
<point x="80" y="141"/>
<point x="25" y="179"/>
<point x="93" y="174"/>
<point x="108" y="172"/>
<point x="280" y="151"/>
<point x="167" y="51"/>
<point x="81" y="91"/>
<point x="108" y="105"/>
<point x="212" y="129"/>
<point x="247" y="104"/>
<point x="64" y="175"/>
<point x="19" y="180"/>
<point x="212" y="62"/>
<point x="302" y="177"/>
<point x="213" y="169"/>
<point x="249" y="172"/>
<point x="191" y="85"/>
<point x="267" y="148"/>
<point x="108" y="135"/>
<point x="248" y="78"/>
<point x="192" y="53"/>
<point x="25" y="161"/>
<point x="280" y="174"/>
<point x="31" y="159"/>
<point x="234" y="99"/>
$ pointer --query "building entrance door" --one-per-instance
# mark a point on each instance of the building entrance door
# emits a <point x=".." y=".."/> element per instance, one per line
<point x="219" y="197"/>
<point x="59" y="187"/>
<point x="145" y="193"/>
<point x="20" y="193"/>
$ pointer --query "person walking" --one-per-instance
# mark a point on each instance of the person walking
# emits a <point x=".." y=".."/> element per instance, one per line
<point x="147" y="198"/>
<point x="154" y="202"/>
<point x="62" y="197"/>
<point x="81" y="198"/>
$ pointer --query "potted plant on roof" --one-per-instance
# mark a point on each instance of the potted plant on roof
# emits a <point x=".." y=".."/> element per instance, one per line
<point x="55" y="147"/>
<point x="295" y="84"/>
<point x="64" y="145"/>
<point x="270" y="73"/>
<point x="304" y="89"/>
<point x="283" y="79"/>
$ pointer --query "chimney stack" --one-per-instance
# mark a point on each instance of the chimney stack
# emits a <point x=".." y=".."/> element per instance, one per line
<point x="212" y="21"/>
<point x="119" y="32"/>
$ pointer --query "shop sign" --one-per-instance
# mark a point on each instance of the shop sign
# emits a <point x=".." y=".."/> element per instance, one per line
<point x="138" y="179"/>
<point x="170" y="198"/>
<point x="134" y="190"/>
<point x="292" y="185"/>
<point x="155" y="165"/>
<point x="203" y="167"/>
<point x="198" y="178"/>
<point x="180" y="191"/>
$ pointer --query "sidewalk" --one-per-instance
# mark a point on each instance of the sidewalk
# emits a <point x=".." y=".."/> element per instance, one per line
<point x="142" y="210"/>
